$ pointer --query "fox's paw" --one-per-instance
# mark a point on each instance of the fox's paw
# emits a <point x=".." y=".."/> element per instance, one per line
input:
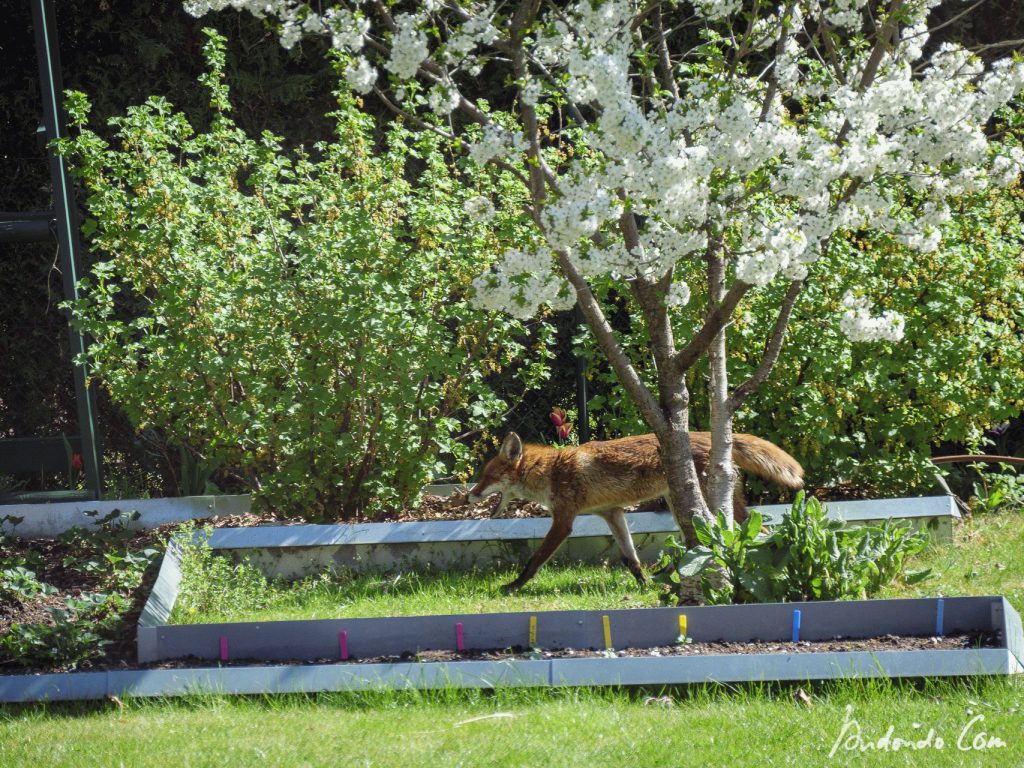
<point x="638" y="571"/>
<point x="512" y="586"/>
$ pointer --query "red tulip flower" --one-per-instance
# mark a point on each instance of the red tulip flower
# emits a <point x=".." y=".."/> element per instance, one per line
<point x="76" y="462"/>
<point x="557" y="417"/>
<point x="564" y="430"/>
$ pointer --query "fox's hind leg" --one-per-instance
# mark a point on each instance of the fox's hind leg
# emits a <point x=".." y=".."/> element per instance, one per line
<point x="616" y="520"/>
<point x="739" y="503"/>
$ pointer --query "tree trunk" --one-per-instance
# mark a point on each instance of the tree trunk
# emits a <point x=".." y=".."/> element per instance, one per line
<point x="685" y="498"/>
<point x="721" y="471"/>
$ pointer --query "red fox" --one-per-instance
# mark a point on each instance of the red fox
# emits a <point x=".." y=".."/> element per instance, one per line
<point x="603" y="477"/>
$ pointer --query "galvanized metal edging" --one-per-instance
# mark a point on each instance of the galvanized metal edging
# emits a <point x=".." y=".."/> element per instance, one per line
<point x="48" y="520"/>
<point x="767" y="623"/>
<point x="52" y="519"/>
<point x="495" y="674"/>
<point x="536" y="527"/>
<point x="297" y="551"/>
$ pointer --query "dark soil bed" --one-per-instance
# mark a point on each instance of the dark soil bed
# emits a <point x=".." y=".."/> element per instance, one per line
<point x="54" y="562"/>
<point x="874" y="644"/>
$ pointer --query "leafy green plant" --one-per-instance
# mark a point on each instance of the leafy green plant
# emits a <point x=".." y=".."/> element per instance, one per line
<point x="19" y="584"/>
<point x="107" y="532"/>
<point x="75" y="633"/>
<point x="298" y="320"/>
<point x="806" y="557"/>
<point x="994" y="490"/>
<point x="195" y="475"/>
<point x="212" y="583"/>
<point x="81" y="628"/>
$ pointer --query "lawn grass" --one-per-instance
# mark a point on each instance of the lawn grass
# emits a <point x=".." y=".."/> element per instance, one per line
<point x="577" y="727"/>
<point x="714" y="725"/>
<point x="217" y="595"/>
<point x="986" y="557"/>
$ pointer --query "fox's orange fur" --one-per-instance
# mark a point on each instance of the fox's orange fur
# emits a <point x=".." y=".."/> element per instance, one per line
<point x="603" y="477"/>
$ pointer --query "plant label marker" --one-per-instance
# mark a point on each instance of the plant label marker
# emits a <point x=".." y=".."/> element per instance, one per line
<point x="682" y="625"/>
<point x="796" y="626"/>
<point x="343" y="644"/>
<point x="223" y="647"/>
<point x="460" y="641"/>
<point x="533" y="632"/>
<point x="607" y="632"/>
<point x="939" y="610"/>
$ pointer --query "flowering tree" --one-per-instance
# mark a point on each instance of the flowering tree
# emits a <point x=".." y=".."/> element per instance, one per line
<point x="702" y="149"/>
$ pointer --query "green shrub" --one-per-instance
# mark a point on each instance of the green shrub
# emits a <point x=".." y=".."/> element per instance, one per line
<point x="806" y="557"/>
<point x="297" y="319"/>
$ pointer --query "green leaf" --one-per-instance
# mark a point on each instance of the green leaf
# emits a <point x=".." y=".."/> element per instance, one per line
<point x="693" y="562"/>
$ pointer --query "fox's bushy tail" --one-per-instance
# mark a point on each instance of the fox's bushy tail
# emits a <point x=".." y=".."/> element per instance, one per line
<point x="767" y="460"/>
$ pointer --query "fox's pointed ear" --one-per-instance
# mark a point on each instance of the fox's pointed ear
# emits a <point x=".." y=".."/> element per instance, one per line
<point x="512" y="447"/>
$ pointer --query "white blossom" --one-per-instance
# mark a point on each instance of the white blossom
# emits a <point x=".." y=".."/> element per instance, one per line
<point x="408" y="47"/>
<point x="476" y="31"/>
<point x="521" y="282"/>
<point x="443" y="98"/>
<point x="478" y="208"/>
<point x="348" y="31"/>
<point x="530" y="93"/>
<point x="716" y="9"/>
<point x="858" y="324"/>
<point x="496" y="143"/>
<point x="361" y="75"/>
<point x="678" y="295"/>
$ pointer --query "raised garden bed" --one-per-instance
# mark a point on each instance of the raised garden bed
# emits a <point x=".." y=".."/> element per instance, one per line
<point x="619" y="647"/>
<point x="296" y="551"/>
<point x="317" y="639"/>
<point x="771" y="625"/>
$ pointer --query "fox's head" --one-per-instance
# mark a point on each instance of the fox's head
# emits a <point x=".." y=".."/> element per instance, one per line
<point x="500" y="474"/>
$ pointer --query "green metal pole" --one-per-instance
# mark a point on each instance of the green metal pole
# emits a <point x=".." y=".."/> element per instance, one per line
<point x="51" y="88"/>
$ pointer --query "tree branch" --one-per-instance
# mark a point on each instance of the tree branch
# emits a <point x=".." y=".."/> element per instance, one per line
<point x="771" y="350"/>
<point x="624" y="369"/>
<point x="650" y="295"/>
<point x="668" y="80"/>
<point x="773" y="82"/>
<point x="717" y="319"/>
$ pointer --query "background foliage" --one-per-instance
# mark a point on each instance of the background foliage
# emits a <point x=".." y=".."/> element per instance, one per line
<point x="121" y="51"/>
<point x="299" y="319"/>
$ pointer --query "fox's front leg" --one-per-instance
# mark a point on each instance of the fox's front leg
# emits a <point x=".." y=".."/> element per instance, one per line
<point x="561" y="527"/>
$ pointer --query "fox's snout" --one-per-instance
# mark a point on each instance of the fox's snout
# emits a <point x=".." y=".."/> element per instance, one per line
<point x="499" y="473"/>
<point x="476" y="493"/>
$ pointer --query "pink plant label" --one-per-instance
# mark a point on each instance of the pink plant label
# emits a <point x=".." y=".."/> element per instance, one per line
<point x="343" y="644"/>
<point x="460" y="641"/>
<point x="223" y="647"/>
